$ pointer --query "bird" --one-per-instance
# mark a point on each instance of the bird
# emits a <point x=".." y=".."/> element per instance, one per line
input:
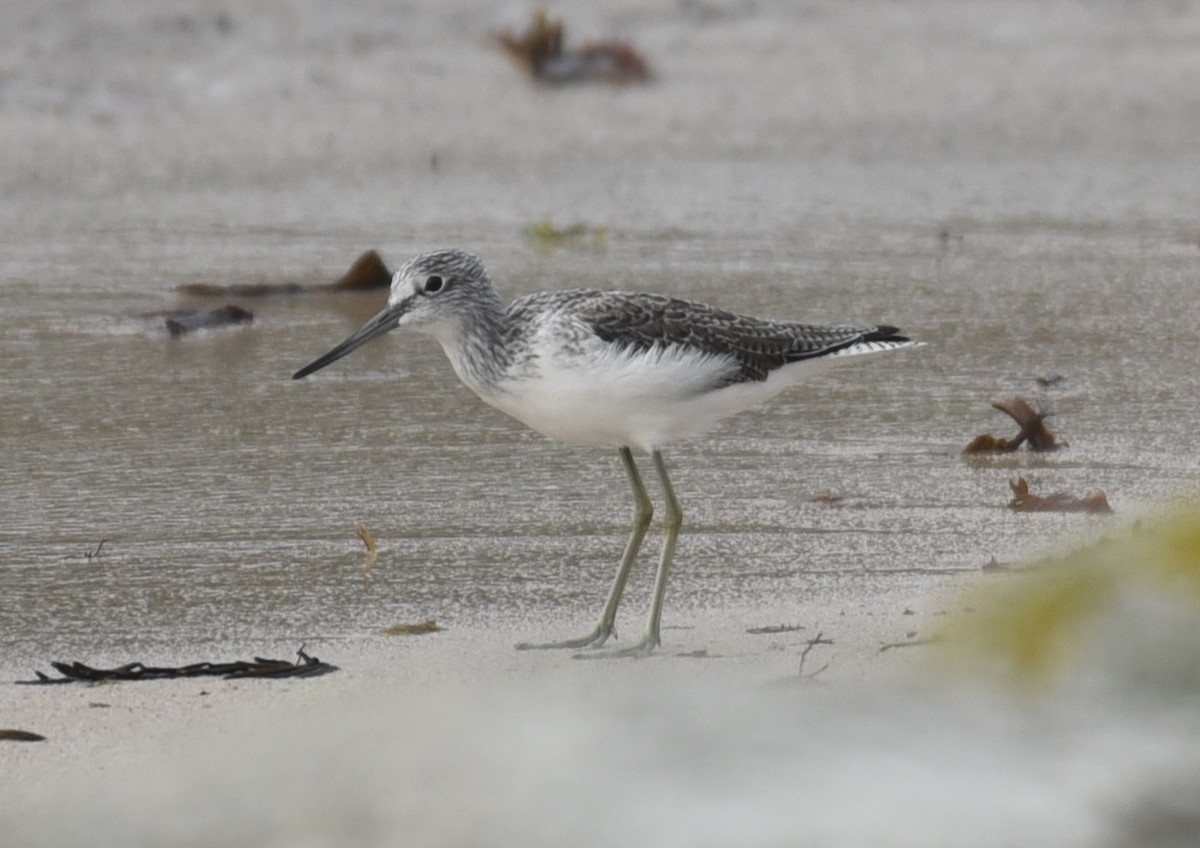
<point x="617" y="369"/>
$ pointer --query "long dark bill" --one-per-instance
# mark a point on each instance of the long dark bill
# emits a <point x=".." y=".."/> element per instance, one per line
<point x="386" y="319"/>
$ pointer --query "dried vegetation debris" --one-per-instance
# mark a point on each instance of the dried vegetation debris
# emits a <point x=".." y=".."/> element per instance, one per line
<point x="546" y="235"/>
<point x="772" y="629"/>
<point x="541" y="50"/>
<point x="1054" y="381"/>
<point x="183" y="321"/>
<point x="178" y="322"/>
<point x="994" y="565"/>
<point x="12" y="735"/>
<point x="1033" y="432"/>
<point x="419" y="628"/>
<point x="367" y="273"/>
<point x="1037" y="436"/>
<point x="305" y="666"/>
<point x="368" y="539"/>
<point x="1025" y="501"/>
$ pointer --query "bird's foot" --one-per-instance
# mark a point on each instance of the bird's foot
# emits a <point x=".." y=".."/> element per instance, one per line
<point x="643" y="648"/>
<point x="592" y="640"/>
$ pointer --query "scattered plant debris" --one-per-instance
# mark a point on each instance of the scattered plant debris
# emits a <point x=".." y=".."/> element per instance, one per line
<point x="808" y="646"/>
<point x="182" y="321"/>
<point x="91" y="553"/>
<point x="986" y="443"/>
<point x="827" y="498"/>
<point x="946" y="236"/>
<point x="996" y="565"/>
<point x="21" y="736"/>
<point x="1025" y="501"/>
<point x="546" y="235"/>
<point x="1054" y="382"/>
<point x="240" y="289"/>
<point x="366" y="274"/>
<point x="364" y="533"/>
<point x="771" y="629"/>
<point x="305" y="666"/>
<point x="541" y="51"/>
<point x="1032" y="424"/>
<point x="418" y="629"/>
<point x="910" y="642"/>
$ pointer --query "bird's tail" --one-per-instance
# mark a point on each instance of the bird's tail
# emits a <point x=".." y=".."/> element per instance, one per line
<point x="881" y="338"/>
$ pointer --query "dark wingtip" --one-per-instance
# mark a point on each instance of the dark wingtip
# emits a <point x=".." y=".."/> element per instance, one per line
<point x="886" y="333"/>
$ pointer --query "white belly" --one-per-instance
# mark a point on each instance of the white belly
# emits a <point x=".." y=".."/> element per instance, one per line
<point x="638" y="399"/>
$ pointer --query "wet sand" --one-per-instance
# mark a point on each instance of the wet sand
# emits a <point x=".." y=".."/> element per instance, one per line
<point x="168" y="721"/>
<point x="1014" y="185"/>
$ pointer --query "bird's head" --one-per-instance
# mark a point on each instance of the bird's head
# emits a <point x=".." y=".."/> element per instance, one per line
<point x="433" y="292"/>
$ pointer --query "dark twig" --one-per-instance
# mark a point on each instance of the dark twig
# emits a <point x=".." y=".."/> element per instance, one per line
<point x="305" y="666"/>
<point x="90" y="553"/>
<point x="808" y="646"/>
<point x="772" y="629"/>
<point x="911" y="643"/>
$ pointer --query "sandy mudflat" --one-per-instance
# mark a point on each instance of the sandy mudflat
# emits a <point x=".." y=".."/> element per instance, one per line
<point x="91" y="727"/>
<point x="456" y="739"/>
<point x="828" y="162"/>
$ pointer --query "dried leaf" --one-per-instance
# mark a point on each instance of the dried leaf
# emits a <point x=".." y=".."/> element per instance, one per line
<point x="1025" y="501"/>
<point x="1033" y="429"/>
<point x="1032" y="423"/>
<point x="540" y="50"/>
<point x="365" y="534"/>
<point x="367" y="273"/>
<point x="418" y="629"/>
<point x="987" y="443"/>
<point x="20" y="736"/>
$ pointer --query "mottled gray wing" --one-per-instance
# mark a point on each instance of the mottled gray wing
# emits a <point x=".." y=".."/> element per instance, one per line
<point x="642" y="321"/>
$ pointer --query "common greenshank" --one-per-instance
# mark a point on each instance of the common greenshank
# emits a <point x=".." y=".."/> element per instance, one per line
<point x="611" y="368"/>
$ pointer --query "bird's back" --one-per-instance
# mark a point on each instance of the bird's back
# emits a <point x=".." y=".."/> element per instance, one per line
<point x="641" y="321"/>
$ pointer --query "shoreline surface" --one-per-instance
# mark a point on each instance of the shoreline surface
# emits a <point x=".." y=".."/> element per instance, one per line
<point x="1013" y="184"/>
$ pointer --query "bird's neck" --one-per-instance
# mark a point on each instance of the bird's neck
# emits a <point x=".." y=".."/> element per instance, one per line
<point x="478" y="346"/>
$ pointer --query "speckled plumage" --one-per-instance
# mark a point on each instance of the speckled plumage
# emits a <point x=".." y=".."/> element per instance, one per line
<point x="623" y="369"/>
<point x="640" y="321"/>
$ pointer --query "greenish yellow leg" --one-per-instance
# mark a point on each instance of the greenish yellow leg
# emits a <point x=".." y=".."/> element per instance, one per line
<point x="643" y="512"/>
<point x="672" y="522"/>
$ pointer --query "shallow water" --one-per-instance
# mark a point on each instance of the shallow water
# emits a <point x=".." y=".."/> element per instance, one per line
<point x="1015" y="185"/>
<point x="960" y="180"/>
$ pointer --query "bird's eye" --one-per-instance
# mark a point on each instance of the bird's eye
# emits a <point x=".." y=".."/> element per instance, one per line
<point x="434" y="284"/>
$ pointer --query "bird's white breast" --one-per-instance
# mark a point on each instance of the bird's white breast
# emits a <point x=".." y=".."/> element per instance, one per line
<point x="601" y="394"/>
